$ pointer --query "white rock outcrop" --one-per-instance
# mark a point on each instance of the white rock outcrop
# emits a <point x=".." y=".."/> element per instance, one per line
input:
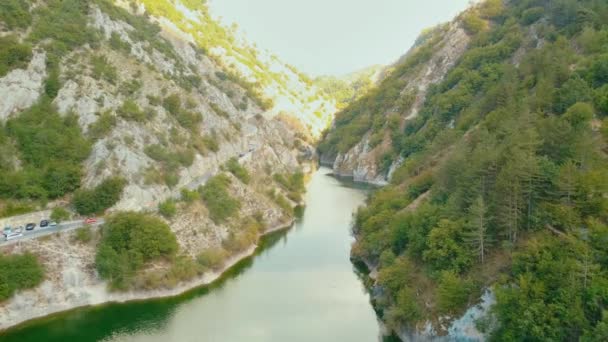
<point x="21" y="88"/>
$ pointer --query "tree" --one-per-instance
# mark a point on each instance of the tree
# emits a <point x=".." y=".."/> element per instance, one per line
<point x="102" y="197"/>
<point x="478" y="224"/>
<point x="129" y="240"/>
<point x="453" y="292"/>
<point x="567" y="181"/>
<point x="59" y="214"/>
<point x="445" y="250"/>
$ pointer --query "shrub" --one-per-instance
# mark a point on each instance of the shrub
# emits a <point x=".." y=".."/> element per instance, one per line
<point x="172" y="104"/>
<point x="118" y="44"/>
<point x="83" y="235"/>
<point x="189" y="196"/>
<point x="453" y="292"/>
<point x="217" y="199"/>
<point x="18" y="272"/>
<point x="59" y="214"/>
<point x="237" y="170"/>
<point x="188" y="120"/>
<point x="104" y="125"/>
<point x="51" y="149"/>
<point x="13" y="208"/>
<point x="100" y="198"/>
<point x="129" y="240"/>
<point x="532" y="15"/>
<point x="167" y="208"/>
<point x="131" y="111"/>
<point x="103" y="70"/>
<point x="131" y="87"/>
<point x="15" y="14"/>
<point x="212" y="258"/>
<point x="473" y="23"/>
<point x="13" y="55"/>
<point x="209" y="143"/>
<point x="65" y="22"/>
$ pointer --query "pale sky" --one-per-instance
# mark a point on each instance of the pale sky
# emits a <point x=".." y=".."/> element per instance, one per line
<point x="335" y="36"/>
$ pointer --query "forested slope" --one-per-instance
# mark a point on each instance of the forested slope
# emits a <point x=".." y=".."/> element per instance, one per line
<point x="504" y="179"/>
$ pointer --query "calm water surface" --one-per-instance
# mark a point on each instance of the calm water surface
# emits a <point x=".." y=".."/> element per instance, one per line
<point x="300" y="286"/>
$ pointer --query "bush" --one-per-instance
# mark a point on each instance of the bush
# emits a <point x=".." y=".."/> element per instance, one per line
<point x="118" y="44"/>
<point x="172" y="104"/>
<point x="13" y="55"/>
<point x="212" y="258"/>
<point x="104" y="125"/>
<point x="51" y="149"/>
<point x="102" y="197"/>
<point x="167" y="208"/>
<point x="103" y="70"/>
<point x="532" y="15"/>
<point x="83" y="235"/>
<point x="473" y="23"/>
<point x="59" y="214"/>
<point x="15" y="14"/>
<point x="217" y="199"/>
<point x="237" y="170"/>
<point x="453" y="292"/>
<point x="18" y="272"/>
<point x="65" y="22"/>
<point x="189" y="196"/>
<point x="131" y="111"/>
<point x="129" y="240"/>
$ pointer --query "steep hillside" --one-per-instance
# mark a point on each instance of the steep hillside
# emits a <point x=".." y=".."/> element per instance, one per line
<point x="144" y="106"/>
<point x="493" y="132"/>
<point x="360" y="143"/>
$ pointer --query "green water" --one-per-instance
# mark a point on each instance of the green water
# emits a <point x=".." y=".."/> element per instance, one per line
<point x="300" y="286"/>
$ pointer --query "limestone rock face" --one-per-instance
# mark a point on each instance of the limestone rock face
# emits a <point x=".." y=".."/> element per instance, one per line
<point x="20" y="88"/>
<point x="362" y="162"/>
<point x="220" y="117"/>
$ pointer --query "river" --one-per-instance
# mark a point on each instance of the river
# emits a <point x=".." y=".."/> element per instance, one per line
<point x="299" y="286"/>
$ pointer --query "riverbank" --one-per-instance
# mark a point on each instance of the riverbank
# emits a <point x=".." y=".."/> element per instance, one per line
<point x="93" y="292"/>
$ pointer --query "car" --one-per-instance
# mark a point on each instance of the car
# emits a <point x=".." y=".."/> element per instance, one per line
<point x="90" y="220"/>
<point x="53" y="224"/>
<point x="7" y="230"/>
<point x="44" y="223"/>
<point x="30" y="226"/>
<point x="13" y="235"/>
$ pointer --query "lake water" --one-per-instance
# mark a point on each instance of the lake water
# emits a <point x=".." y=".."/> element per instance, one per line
<point x="300" y="286"/>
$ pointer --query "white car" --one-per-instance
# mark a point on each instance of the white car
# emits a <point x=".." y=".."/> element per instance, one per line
<point x="53" y="224"/>
<point x="12" y="236"/>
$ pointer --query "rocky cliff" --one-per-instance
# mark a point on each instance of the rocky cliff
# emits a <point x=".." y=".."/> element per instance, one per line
<point x="166" y="96"/>
<point x="442" y="48"/>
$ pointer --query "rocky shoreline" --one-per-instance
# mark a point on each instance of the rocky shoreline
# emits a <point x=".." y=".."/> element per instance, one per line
<point x="99" y="295"/>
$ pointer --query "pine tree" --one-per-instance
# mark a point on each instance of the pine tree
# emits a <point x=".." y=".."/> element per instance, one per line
<point x="477" y="235"/>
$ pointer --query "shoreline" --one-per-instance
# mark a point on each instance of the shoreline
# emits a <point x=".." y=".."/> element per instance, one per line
<point x="138" y="296"/>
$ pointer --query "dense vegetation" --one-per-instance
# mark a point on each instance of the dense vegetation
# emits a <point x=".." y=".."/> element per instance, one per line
<point x="129" y="241"/>
<point x="18" y="272"/>
<point x="51" y="149"/>
<point x="13" y="55"/>
<point x="100" y="198"/>
<point x="512" y="161"/>
<point x="218" y="200"/>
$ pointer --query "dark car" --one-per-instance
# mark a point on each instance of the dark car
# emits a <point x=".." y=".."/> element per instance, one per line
<point x="30" y="226"/>
<point x="44" y="223"/>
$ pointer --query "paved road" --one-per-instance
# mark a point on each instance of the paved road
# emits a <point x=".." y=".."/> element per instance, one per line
<point x="40" y="232"/>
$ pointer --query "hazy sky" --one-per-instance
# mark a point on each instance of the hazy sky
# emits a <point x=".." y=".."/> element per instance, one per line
<point x="335" y="36"/>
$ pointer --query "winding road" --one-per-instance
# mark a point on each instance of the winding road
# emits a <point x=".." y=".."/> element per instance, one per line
<point x="40" y="232"/>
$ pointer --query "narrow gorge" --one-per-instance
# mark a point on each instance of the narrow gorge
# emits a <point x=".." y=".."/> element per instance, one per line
<point x="162" y="178"/>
